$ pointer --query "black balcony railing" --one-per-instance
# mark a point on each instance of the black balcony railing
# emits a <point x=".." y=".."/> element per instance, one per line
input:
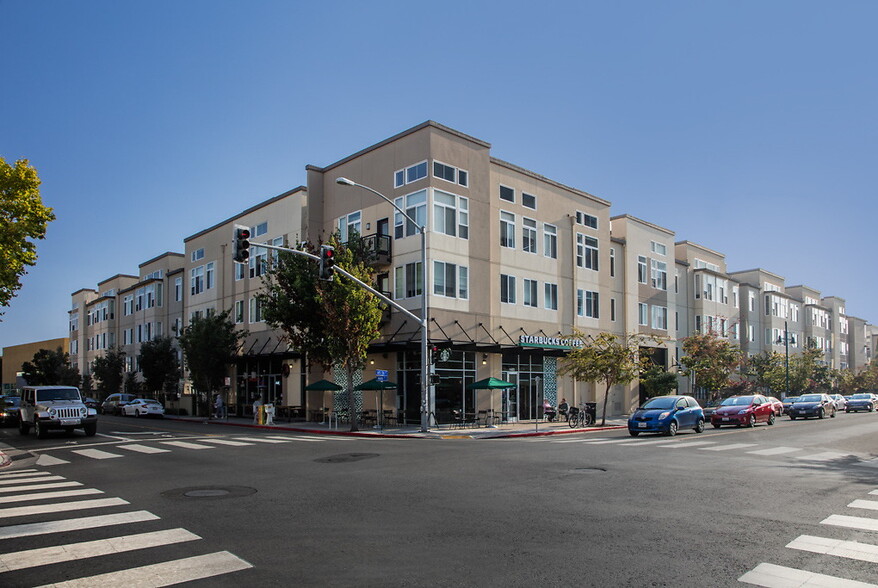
<point x="380" y="248"/>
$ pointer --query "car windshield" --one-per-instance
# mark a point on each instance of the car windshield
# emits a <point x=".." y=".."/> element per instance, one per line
<point x="738" y="401"/>
<point x="58" y="394"/>
<point x="860" y="396"/>
<point x="790" y="398"/>
<point x="10" y="401"/>
<point x="810" y="398"/>
<point x="660" y="403"/>
<point x="150" y="401"/>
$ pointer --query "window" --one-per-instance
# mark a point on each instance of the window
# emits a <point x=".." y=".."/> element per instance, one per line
<point x="239" y="271"/>
<point x="450" y="173"/>
<point x="587" y="303"/>
<point x="586" y="252"/>
<point x="530" y="293"/>
<point x="507" y="229"/>
<point x="751" y="333"/>
<point x="210" y="275"/>
<point x="613" y="309"/>
<point x="529" y="201"/>
<point x="258" y="261"/>
<point x="410" y="174"/>
<point x="408" y="280"/>
<point x="612" y="262"/>
<point x="415" y="205"/>
<point x="196" y="283"/>
<point x="660" y="318"/>
<point x="128" y="304"/>
<point x="197" y="254"/>
<point x="349" y="225"/>
<point x="529" y="235"/>
<point x="659" y="274"/>
<point x="659" y="248"/>
<point x="239" y="312"/>
<point x="260" y="229"/>
<point x="642" y="314"/>
<point x="273" y="254"/>
<point x="550" y="241"/>
<point x="178" y="289"/>
<point x="752" y="302"/>
<point x="507" y="194"/>
<point x="450" y="280"/>
<point x="586" y="220"/>
<point x="450" y="214"/>
<point x="255" y="310"/>
<point x="551" y="296"/>
<point x="507" y="289"/>
<point x="641" y="269"/>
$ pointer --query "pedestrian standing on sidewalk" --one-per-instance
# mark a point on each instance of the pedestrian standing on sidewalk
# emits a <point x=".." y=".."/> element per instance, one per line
<point x="257" y="404"/>
<point x="218" y="406"/>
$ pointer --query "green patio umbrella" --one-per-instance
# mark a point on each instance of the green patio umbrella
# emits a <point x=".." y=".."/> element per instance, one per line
<point x="323" y="386"/>
<point x="491" y="383"/>
<point x="378" y="386"/>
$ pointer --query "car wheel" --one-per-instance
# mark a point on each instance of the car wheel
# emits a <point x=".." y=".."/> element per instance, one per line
<point x="634" y="433"/>
<point x="715" y="426"/>
<point x="40" y="430"/>
<point x="771" y="419"/>
<point x="90" y="429"/>
<point x="136" y="413"/>
<point x="847" y="410"/>
<point x="752" y="420"/>
<point x="832" y="414"/>
<point x="672" y="429"/>
<point x="23" y="427"/>
<point x="792" y="418"/>
<point x="871" y="408"/>
<point x="699" y="426"/>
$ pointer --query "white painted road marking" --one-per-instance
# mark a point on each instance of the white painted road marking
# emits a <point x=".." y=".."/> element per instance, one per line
<point x="836" y="547"/>
<point x="187" y="445"/>
<point x="867" y="504"/>
<point x="48" y="495"/>
<point x="825" y="456"/>
<point x="227" y="442"/>
<point x="31" y="479"/>
<point x="96" y="453"/>
<point x="39" y="487"/>
<point x="851" y="522"/>
<point x="262" y="440"/>
<point x="21" y="511"/>
<point x="143" y="448"/>
<point x="684" y="444"/>
<point x="30" y="558"/>
<point x="775" y="451"/>
<point x="23" y="474"/>
<point x="28" y="530"/>
<point x="772" y="576"/>
<point x="48" y="460"/>
<point x="729" y="447"/>
<point x="164" y="574"/>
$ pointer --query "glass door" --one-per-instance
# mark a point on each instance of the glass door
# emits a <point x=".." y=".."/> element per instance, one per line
<point x="509" y="404"/>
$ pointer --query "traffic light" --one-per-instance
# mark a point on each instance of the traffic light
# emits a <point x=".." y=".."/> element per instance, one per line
<point x="241" y="244"/>
<point x="327" y="262"/>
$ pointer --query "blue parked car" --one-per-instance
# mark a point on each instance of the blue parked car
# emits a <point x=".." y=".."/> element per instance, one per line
<point x="667" y="414"/>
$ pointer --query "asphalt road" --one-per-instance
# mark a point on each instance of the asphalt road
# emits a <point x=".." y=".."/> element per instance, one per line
<point x="590" y="509"/>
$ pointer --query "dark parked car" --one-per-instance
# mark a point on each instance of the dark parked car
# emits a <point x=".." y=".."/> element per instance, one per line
<point x="861" y="401"/>
<point x="91" y="403"/>
<point x="812" y="405"/>
<point x="788" y="402"/>
<point x="743" y="410"/>
<point x="667" y="414"/>
<point x="9" y="410"/>
<point x="113" y="403"/>
<point x="710" y="407"/>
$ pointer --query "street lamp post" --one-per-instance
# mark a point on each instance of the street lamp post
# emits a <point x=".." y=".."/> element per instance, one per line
<point x="786" y="340"/>
<point x="425" y="360"/>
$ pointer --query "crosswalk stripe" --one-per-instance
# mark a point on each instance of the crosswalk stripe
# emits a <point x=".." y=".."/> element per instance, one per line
<point x="774" y="576"/>
<point x="226" y="442"/>
<point x="23" y="474"/>
<point x="874" y="492"/>
<point x="186" y="445"/>
<point x="866" y="504"/>
<point x="28" y="530"/>
<point x="869" y="463"/>
<point x="836" y="547"/>
<point x="262" y="440"/>
<point x="729" y="447"/>
<point x="641" y="442"/>
<point x="774" y="451"/>
<point x="684" y="444"/>
<point x="49" y="495"/>
<point x="575" y="440"/>
<point x="824" y="456"/>
<point x="96" y="453"/>
<point x="299" y="438"/>
<point x="861" y="523"/>
<point x="31" y="479"/>
<point x="611" y="441"/>
<point x="164" y="574"/>
<point x="30" y="558"/>
<point x="20" y="511"/>
<point x="39" y="487"/>
<point x="48" y="460"/>
<point x="143" y="448"/>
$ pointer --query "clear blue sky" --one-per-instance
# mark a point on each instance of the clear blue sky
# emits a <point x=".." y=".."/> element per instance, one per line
<point x="747" y="126"/>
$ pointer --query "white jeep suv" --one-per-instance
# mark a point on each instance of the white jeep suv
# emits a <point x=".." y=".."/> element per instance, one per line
<point x="55" y="407"/>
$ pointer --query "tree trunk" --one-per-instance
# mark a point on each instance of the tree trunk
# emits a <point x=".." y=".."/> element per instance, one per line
<point x="606" y="399"/>
<point x="352" y="405"/>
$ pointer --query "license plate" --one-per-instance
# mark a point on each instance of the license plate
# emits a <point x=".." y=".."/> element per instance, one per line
<point x="641" y="425"/>
<point x="65" y="422"/>
<point x="726" y="419"/>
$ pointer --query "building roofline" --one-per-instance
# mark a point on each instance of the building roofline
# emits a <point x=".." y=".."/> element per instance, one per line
<point x="396" y="137"/>
<point x="83" y="290"/>
<point x="642" y="222"/>
<point x="158" y="257"/>
<point x="549" y="181"/>
<point x="117" y="276"/>
<point x="758" y="269"/>
<point x="700" y="246"/>
<point x="716" y="273"/>
<point x="248" y="211"/>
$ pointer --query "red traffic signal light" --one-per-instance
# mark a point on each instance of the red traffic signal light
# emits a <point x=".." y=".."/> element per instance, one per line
<point x="241" y="244"/>
<point x="327" y="261"/>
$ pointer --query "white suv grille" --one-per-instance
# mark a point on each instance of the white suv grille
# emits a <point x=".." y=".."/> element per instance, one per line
<point x="67" y="413"/>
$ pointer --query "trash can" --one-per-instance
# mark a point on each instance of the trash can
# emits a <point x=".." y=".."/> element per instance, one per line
<point x="592" y="409"/>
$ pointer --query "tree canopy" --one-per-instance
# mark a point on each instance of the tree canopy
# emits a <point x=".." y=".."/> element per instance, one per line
<point x="109" y="370"/>
<point x="50" y="368"/>
<point x="158" y="362"/>
<point x="209" y="345"/>
<point x="711" y="359"/>
<point x="23" y="218"/>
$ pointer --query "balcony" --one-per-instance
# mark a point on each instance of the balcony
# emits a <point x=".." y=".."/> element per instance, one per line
<point x="379" y="249"/>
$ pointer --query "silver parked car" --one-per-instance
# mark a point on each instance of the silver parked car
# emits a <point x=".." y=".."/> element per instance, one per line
<point x="55" y="407"/>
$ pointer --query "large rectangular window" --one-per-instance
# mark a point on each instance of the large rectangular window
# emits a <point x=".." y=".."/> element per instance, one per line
<point x="530" y="292"/>
<point x="641" y="269"/>
<point x="529" y="201"/>
<point x="507" y="229"/>
<point x="587" y="304"/>
<point x="550" y="296"/>
<point x="239" y="312"/>
<point x="529" y="235"/>
<point x="413" y="173"/>
<point x="408" y="280"/>
<point x="586" y="252"/>
<point x="587" y="220"/>
<point x="507" y="289"/>
<point x="450" y="280"/>
<point x="349" y="225"/>
<point x="414" y="205"/>
<point x="507" y="194"/>
<point x="660" y="318"/>
<point x="210" y="275"/>
<point x="255" y="310"/>
<point x="450" y="173"/>
<point x="659" y="274"/>
<point x="642" y="314"/>
<point x="550" y="241"/>
<point x="450" y="214"/>
<point x="196" y="282"/>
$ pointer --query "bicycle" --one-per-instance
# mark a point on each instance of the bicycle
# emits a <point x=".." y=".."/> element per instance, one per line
<point x="578" y="417"/>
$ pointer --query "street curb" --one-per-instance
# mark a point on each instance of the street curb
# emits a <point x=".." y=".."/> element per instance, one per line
<point x="418" y="435"/>
<point x="5" y="460"/>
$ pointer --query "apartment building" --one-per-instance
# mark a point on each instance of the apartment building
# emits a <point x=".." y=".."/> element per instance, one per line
<point x="516" y="262"/>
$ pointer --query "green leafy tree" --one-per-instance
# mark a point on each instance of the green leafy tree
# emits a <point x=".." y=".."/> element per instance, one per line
<point x="808" y="373"/>
<point x="159" y="365"/>
<point x="710" y="359"/>
<point x="23" y="218"/>
<point x="606" y="358"/>
<point x="50" y="368"/>
<point x="331" y="321"/>
<point x="109" y="370"/>
<point x="209" y="345"/>
<point x="85" y="385"/>
<point x="657" y="381"/>
<point x="767" y="370"/>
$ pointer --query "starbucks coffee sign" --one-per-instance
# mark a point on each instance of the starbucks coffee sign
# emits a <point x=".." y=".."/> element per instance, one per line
<point x="549" y="342"/>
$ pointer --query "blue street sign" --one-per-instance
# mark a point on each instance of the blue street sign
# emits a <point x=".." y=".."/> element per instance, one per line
<point x="381" y="375"/>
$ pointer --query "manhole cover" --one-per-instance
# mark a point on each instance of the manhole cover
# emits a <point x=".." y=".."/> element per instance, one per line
<point x="209" y="492"/>
<point x="587" y="470"/>
<point x="346" y="457"/>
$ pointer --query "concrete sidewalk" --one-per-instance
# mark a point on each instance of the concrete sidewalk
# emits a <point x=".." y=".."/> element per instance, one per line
<point x="520" y="429"/>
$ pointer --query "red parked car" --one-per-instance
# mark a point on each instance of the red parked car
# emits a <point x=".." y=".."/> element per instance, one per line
<point x="777" y="404"/>
<point x="743" y="410"/>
